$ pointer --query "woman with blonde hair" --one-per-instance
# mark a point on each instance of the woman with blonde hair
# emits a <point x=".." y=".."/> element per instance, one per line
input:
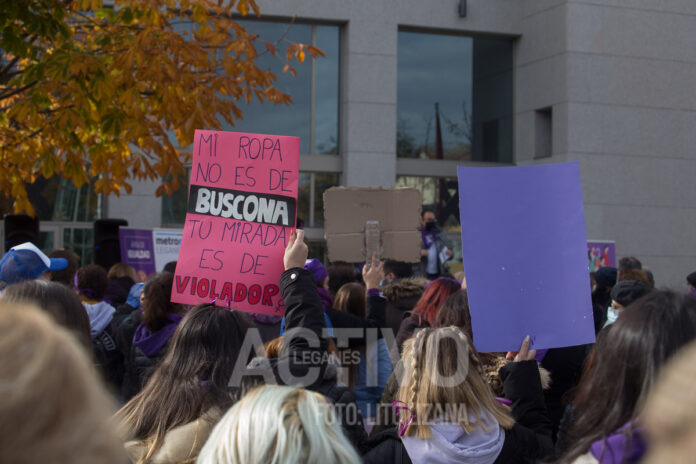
<point x="279" y="425"/>
<point x="53" y="409"/>
<point x="449" y="414"/>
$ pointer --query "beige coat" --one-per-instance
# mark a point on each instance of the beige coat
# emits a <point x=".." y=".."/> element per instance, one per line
<point x="181" y="444"/>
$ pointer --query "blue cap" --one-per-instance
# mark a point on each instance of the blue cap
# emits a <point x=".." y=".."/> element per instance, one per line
<point x="27" y="262"/>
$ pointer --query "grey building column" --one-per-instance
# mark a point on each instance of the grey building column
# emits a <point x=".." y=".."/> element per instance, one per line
<point x="368" y="103"/>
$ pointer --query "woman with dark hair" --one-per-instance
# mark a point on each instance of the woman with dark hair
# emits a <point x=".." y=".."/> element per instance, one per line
<point x="91" y="284"/>
<point x="67" y="275"/>
<point x="350" y="298"/>
<point x="455" y="312"/>
<point x="58" y="300"/>
<point x="423" y="314"/>
<point x="204" y="372"/>
<point x="160" y="318"/>
<point x="170" y="419"/>
<point x="620" y="375"/>
<point x="369" y="366"/>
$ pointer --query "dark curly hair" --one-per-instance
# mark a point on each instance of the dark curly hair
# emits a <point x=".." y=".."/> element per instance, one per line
<point x="92" y="281"/>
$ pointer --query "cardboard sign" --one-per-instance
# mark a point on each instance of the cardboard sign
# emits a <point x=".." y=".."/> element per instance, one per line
<point x="601" y="253"/>
<point x="137" y="250"/>
<point x="525" y="255"/>
<point x="347" y="210"/>
<point x="241" y="211"/>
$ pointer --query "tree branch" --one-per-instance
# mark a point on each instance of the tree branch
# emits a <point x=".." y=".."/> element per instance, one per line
<point x="12" y="93"/>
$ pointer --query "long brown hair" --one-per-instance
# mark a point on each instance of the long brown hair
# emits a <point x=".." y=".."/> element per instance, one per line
<point x="626" y="362"/>
<point x="192" y="378"/>
<point x="157" y="302"/>
<point x="455" y="312"/>
<point x="350" y="298"/>
<point x="431" y="360"/>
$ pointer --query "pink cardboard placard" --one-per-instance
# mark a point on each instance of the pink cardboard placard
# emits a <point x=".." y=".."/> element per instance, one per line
<point x="241" y="211"/>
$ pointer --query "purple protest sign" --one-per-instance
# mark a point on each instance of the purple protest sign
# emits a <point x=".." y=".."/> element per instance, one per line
<point x="525" y="255"/>
<point x="137" y="250"/>
<point x="600" y="253"/>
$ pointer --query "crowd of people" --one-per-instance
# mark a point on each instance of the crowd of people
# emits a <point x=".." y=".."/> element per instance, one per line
<point x="374" y="363"/>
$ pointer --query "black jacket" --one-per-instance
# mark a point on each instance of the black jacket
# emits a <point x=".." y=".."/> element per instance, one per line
<point x="138" y="369"/>
<point x="304" y="359"/>
<point x="528" y="441"/>
<point x="108" y="358"/>
<point x="375" y="319"/>
<point x="565" y="366"/>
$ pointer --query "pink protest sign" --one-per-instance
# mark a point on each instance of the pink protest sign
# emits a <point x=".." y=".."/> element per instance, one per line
<point x="241" y="211"/>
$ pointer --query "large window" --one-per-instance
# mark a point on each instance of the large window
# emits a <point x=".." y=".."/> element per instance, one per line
<point x="57" y="199"/>
<point x="310" y="205"/>
<point x="454" y="97"/>
<point x="313" y="114"/>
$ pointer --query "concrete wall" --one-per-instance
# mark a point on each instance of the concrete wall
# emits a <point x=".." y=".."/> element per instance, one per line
<point x="632" y="126"/>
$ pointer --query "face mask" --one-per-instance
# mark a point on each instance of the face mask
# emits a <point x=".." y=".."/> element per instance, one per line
<point x="430" y="225"/>
<point x="612" y="315"/>
<point x="381" y="283"/>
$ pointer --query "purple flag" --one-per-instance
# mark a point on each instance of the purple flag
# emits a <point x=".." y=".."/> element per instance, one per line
<point x="137" y="250"/>
<point x="525" y="256"/>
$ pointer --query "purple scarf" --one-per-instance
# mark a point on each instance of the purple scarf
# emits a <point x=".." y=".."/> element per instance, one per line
<point x="150" y="343"/>
<point x="427" y="237"/>
<point x="325" y="297"/>
<point x="613" y="450"/>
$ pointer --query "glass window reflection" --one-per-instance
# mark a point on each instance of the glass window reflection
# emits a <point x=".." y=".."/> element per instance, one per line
<point x="313" y="114"/>
<point x="454" y="97"/>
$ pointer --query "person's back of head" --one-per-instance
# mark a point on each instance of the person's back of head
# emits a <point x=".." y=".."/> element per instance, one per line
<point x="626" y="362"/>
<point x="157" y="304"/>
<point x="120" y="270"/>
<point x="350" y="298"/>
<point x="626" y="292"/>
<point x="339" y="274"/>
<point x="442" y="368"/>
<point x="279" y="424"/>
<point x="627" y="263"/>
<point x="192" y="378"/>
<point x="91" y="282"/>
<point x="58" y="300"/>
<point x="691" y="279"/>
<point x="434" y="294"/>
<point x="53" y="408"/>
<point x="65" y="276"/>
<point x="170" y="267"/>
<point x="455" y="312"/>
<point x="639" y="275"/>
<point x="398" y="270"/>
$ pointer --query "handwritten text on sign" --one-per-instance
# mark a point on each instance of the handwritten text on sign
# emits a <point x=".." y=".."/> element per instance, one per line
<point x="241" y="210"/>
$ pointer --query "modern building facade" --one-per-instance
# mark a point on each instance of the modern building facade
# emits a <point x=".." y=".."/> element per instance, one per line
<point x="410" y="89"/>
